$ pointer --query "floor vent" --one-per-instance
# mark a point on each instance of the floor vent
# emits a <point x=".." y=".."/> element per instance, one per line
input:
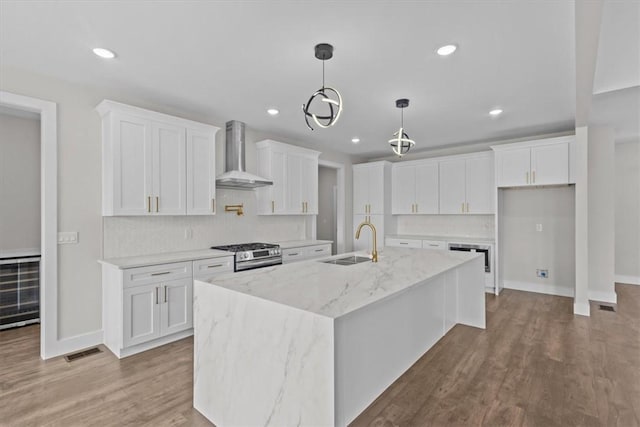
<point x="79" y="355"/>
<point x="607" y="308"/>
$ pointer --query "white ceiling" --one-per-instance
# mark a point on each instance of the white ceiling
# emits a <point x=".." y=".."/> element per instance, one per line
<point x="232" y="60"/>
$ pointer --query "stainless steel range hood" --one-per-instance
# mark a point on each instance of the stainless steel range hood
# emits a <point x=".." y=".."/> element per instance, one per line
<point x="235" y="176"/>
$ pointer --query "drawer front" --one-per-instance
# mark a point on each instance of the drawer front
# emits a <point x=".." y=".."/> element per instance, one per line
<point x="205" y="268"/>
<point x="156" y="273"/>
<point x="434" y="244"/>
<point x="293" y="255"/>
<point x="319" y="251"/>
<point x="404" y="243"/>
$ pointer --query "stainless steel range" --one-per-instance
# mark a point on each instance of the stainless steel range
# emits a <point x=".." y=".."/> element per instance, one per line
<point x="253" y="255"/>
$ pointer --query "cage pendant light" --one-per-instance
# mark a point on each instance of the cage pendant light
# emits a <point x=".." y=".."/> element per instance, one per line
<point x="401" y="143"/>
<point x="328" y="96"/>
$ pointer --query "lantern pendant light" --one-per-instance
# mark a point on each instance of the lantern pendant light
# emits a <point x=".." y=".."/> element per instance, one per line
<point x="401" y="143"/>
<point x="328" y="95"/>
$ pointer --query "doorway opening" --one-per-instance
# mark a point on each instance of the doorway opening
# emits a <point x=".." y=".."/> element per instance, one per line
<point x="329" y="223"/>
<point x="47" y="195"/>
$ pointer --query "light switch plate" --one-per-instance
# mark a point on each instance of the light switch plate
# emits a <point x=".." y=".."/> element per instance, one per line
<point x="67" y="237"/>
<point x="538" y="227"/>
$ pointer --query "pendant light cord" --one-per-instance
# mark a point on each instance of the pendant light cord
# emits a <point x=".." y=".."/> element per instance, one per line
<point x="402" y="117"/>
<point x="323" y="73"/>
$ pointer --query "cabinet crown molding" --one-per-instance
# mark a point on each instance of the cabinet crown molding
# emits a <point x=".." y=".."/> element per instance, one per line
<point x="108" y="106"/>
<point x="288" y="147"/>
<point x="534" y="143"/>
<point x="476" y="155"/>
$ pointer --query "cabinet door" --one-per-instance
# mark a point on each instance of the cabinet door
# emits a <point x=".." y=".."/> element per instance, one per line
<point x="403" y="180"/>
<point x="176" y="310"/>
<point x="376" y="188"/>
<point x="427" y="188"/>
<point x="201" y="173"/>
<point x="294" y="184"/>
<point x="169" y="169"/>
<point x="360" y="189"/>
<point x="141" y="314"/>
<point x="480" y="188"/>
<point x="309" y="181"/>
<point x="278" y="176"/>
<point x="514" y="167"/>
<point x="132" y="164"/>
<point x="550" y="164"/>
<point x="452" y="186"/>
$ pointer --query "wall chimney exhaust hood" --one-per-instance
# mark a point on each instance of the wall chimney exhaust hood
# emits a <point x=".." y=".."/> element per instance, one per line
<point x="235" y="176"/>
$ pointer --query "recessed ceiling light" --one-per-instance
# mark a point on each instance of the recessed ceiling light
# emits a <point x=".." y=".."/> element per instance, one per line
<point x="355" y="140"/>
<point x="273" y="111"/>
<point x="447" y="50"/>
<point x="495" y="112"/>
<point x="104" y="53"/>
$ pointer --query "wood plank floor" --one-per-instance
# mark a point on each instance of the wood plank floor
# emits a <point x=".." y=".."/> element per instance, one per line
<point x="536" y="365"/>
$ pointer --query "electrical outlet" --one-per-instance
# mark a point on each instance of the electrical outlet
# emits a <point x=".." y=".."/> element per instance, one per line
<point x="538" y="227"/>
<point x="67" y="237"/>
<point x="188" y="234"/>
<point x="542" y="273"/>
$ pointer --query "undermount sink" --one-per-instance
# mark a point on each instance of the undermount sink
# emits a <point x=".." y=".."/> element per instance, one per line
<point x="350" y="260"/>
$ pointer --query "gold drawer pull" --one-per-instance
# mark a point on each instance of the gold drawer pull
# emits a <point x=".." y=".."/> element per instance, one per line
<point x="215" y="265"/>
<point x="161" y="274"/>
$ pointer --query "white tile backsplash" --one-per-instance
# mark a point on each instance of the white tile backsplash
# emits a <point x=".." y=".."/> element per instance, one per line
<point x="446" y="225"/>
<point x="133" y="236"/>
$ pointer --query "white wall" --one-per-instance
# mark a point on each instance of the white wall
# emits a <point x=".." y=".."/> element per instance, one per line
<point x="523" y="249"/>
<point x="446" y="225"/>
<point x="19" y="182"/>
<point x="627" y="212"/>
<point x="79" y="195"/>
<point x="601" y="214"/>
<point x="326" y="221"/>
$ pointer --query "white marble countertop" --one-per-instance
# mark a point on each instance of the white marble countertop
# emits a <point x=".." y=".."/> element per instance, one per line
<point x="454" y="239"/>
<point x="334" y="290"/>
<point x="20" y="253"/>
<point x="164" y="258"/>
<point x="302" y="243"/>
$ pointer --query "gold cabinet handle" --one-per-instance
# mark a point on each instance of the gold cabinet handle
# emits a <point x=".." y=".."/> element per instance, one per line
<point x="302" y="207"/>
<point x="157" y="204"/>
<point x="165" y="294"/>
<point x="273" y="206"/>
<point x="467" y="207"/>
<point x="213" y="205"/>
<point x="157" y="298"/>
<point x="416" y="208"/>
<point x="148" y="203"/>
<point x="527" y="177"/>
<point x="462" y="207"/>
<point x="534" y="176"/>
<point x="306" y="207"/>
<point x="412" y="208"/>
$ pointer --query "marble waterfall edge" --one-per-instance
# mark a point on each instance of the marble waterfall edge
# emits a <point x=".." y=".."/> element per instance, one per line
<point x="232" y="331"/>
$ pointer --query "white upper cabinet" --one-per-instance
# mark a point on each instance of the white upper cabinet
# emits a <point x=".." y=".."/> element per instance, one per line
<point x="467" y="185"/>
<point x="201" y="173"/>
<point x="294" y="172"/>
<point x="371" y="188"/>
<point x="155" y="164"/>
<point x="539" y="162"/>
<point x="415" y="188"/>
<point x="169" y="169"/>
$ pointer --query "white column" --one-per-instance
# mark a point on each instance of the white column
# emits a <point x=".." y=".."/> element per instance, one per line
<point x="601" y="202"/>
<point x="581" y="299"/>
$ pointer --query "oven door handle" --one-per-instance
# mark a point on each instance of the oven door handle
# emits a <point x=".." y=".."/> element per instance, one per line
<point x="259" y="262"/>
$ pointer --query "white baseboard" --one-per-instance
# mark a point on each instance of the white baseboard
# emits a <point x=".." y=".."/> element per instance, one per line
<point x="582" y="309"/>
<point x="75" y="343"/>
<point x="130" y="351"/>
<point x="628" y="280"/>
<point x="600" y="296"/>
<point x="549" y="289"/>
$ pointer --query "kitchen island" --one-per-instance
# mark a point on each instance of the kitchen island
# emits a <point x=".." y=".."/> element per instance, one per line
<point x="314" y="343"/>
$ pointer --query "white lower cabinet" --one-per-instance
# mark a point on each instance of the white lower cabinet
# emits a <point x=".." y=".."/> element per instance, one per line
<point x="145" y="307"/>
<point x="156" y="310"/>
<point x="403" y="243"/>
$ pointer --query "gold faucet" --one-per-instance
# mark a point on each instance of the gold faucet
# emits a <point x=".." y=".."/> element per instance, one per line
<point x="374" y="253"/>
